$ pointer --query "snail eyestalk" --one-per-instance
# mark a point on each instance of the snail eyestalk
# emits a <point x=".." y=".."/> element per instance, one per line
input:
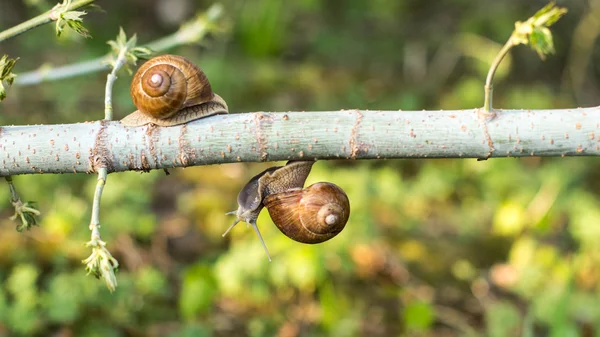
<point x="232" y="225"/>
<point x="252" y="222"/>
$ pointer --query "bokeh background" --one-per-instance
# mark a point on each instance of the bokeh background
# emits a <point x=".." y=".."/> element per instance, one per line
<point x="504" y="247"/>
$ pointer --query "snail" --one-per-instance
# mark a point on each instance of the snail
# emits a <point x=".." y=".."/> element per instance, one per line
<point x="311" y="215"/>
<point x="170" y="90"/>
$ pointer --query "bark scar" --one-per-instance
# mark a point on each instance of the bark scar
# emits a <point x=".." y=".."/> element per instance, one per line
<point x="354" y="147"/>
<point x="100" y="154"/>
<point x="260" y="137"/>
<point x="483" y="118"/>
<point x="153" y="133"/>
<point x="185" y="151"/>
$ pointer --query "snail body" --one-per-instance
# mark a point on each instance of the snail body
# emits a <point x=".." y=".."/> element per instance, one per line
<point x="309" y="215"/>
<point x="170" y="90"/>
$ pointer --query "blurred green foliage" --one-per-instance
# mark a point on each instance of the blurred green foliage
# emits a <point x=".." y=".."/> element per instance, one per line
<point x="503" y="247"/>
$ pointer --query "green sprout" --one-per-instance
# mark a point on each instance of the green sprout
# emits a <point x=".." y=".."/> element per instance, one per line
<point x="6" y="75"/>
<point x="535" y="32"/>
<point x="66" y="18"/>
<point x="101" y="264"/>
<point x="27" y="212"/>
<point x="127" y="47"/>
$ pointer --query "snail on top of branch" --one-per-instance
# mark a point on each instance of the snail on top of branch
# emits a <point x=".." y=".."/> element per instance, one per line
<point x="170" y="90"/>
<point x="311" y="215"/>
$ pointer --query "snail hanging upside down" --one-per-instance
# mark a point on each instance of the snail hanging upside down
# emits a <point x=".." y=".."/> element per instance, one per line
<point x="170" y="90"/>
<point x="314" y="214"/>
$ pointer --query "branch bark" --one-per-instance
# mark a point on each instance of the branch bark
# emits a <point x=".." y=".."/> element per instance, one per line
<point x="258" y="137"/>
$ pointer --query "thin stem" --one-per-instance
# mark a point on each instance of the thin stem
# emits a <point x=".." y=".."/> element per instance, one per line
<point x="13" y="190"/>
<point x="487" y="103"/>
<point x="110" y="81"/>
<point x="100" y="263"/>
<point x="39" y="20"/>
<point x="95" y="221"/>
<point x="190" y="32"/>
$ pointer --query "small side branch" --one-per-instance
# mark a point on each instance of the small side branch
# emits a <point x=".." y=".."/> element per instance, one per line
<point x="110" y="81"/>
<point x="125" y="50"/>
<point x="26" y="212"/>
<point x="536" y="34"/>
<point x="100" y="263"/>
<point x="40" y="20"/>
<point x="487" y="103"/>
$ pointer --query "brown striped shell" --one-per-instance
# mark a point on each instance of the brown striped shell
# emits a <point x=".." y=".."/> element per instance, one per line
<point x="170" y="90"/>
<point x="311" y="215"/>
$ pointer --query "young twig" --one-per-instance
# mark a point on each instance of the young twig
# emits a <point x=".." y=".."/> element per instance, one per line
<point x="61" y="13"/>
<point x="535" y="33"/>
<point x="487" y="103"/>
<point x="190" y="32"/>
<point x="100" y="263"/>
<point x="26" y="212"/>
<point x="110" y="80"/>
<point x="126" y="53"/>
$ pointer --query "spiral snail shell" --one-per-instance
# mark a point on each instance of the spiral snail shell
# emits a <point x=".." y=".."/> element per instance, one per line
<point x="311" y="215"/>
<point x="170" y="90"/>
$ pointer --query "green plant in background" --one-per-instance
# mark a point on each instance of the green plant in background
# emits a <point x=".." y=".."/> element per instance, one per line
<point x="63" y="13"/>
<point x="65" y="17"/>
<point x="6" y="75"/>
<point x="100" y="263"/>
<point x="24" y="211"/>
<point x="432" y="247"/>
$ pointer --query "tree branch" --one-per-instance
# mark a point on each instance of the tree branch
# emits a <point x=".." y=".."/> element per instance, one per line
<point x="256" y="137"/>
